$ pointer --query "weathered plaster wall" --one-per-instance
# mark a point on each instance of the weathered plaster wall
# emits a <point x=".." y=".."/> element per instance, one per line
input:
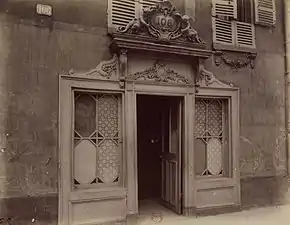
<point x="31" y="59"/>
<point x="262" y="108"/>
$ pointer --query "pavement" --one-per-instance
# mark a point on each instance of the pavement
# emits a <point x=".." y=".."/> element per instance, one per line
<point x="276" y="215"/>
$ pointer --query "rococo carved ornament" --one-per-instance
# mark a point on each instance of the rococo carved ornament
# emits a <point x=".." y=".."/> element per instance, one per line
<point x="207" y="78"/>
<point x="105" y="69"/>
<point x="160" y="73"/>
<point x="163" y="22"/>
<point x="249" y="59"/>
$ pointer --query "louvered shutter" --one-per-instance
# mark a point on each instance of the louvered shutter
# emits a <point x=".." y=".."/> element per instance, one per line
<point x="223" y="32"/>
<point x="224" y="9"/>
<point x="121" y="12"/>
<point x="245" y="35"/>
<point x="148" y="3"/>
<point x="222" y="26"/>
<point x="265" y="12"/>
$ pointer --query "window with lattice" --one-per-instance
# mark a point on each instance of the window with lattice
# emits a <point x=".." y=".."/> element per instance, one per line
<point x="212" y="153"/>
<point x="97" y="148"/>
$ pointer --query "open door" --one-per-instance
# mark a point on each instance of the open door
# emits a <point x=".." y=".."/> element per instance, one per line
<point x="171" y="155"/>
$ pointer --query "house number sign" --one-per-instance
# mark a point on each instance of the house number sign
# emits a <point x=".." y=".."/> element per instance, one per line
<point x="164" y="23"/>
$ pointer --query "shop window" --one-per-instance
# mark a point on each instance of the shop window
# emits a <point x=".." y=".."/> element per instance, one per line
<point x="97" y="131"/>
<point x="212" y="152"/>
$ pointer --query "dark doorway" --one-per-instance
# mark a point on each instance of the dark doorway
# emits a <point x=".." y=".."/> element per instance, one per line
<point x="159" y="146"/>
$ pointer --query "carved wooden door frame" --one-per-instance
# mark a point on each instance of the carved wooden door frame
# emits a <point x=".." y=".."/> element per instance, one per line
<point x="187" y="93"/>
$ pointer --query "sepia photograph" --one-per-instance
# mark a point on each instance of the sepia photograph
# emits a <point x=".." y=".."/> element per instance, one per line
<point x="144" y="112"/>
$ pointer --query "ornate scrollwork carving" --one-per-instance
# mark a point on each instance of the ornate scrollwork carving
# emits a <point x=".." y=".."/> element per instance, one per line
<point x="163" y="22"/>
<point x="207" y="78"/>
<point x="249" y="59"/>
<point x="105" y="69"/>
<point x="203" y="75"/>
<point x="160" y="73"/>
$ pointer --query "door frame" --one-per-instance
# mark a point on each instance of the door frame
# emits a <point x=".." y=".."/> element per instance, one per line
<point x="187" y="93"/>
<point x="180" y="159"/>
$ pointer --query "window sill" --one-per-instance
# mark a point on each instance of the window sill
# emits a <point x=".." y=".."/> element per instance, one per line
<point x="231" y="48"/>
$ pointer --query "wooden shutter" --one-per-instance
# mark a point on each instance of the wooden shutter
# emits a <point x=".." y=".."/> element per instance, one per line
<point x="148" y="3"/>
<point x="265" y="12"/>
<point x="121" y="12"/>
<point x="224" y="9"/>
<point x="223" y="32"/>
<point x="245" y="35"/>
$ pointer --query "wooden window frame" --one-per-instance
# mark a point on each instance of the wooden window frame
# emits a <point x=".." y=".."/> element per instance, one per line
<point x="229" y="185"/>
<point x="227" y="160"/>
<point x="69" y="195"/>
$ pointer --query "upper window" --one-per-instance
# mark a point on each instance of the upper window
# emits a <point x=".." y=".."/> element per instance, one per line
<point x="233" y="21"/>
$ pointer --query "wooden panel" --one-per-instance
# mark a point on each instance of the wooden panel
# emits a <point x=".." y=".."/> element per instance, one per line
<point x="215" y="197"/>
<point x="205" y="183"/>
<point x="105" y="193"/>
<point x="98" y="211"/>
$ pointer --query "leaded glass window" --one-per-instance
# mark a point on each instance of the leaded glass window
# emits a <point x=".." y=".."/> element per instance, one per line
<point x="97" y="135"/>
<point x="211" y="137"/>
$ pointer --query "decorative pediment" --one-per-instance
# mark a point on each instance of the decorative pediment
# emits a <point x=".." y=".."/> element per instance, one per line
<point x="163" y="22"/>
<point x="159" y="73"/>
<point x="105" y="69"/>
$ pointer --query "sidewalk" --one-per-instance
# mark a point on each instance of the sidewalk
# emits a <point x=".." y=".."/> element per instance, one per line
<point x="279" y="215"/>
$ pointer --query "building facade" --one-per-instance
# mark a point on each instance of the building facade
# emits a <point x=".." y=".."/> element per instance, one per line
<point x="108" y="103"/>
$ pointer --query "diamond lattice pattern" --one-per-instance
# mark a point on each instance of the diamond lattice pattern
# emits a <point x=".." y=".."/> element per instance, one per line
<point x="209" y="129"/>
<point x="100" y="145"/>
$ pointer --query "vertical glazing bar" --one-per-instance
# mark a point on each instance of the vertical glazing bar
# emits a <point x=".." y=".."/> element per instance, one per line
<point x="97" y="135"/>
<point x="73" y="99"/>
<point x="224" y="165"/>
